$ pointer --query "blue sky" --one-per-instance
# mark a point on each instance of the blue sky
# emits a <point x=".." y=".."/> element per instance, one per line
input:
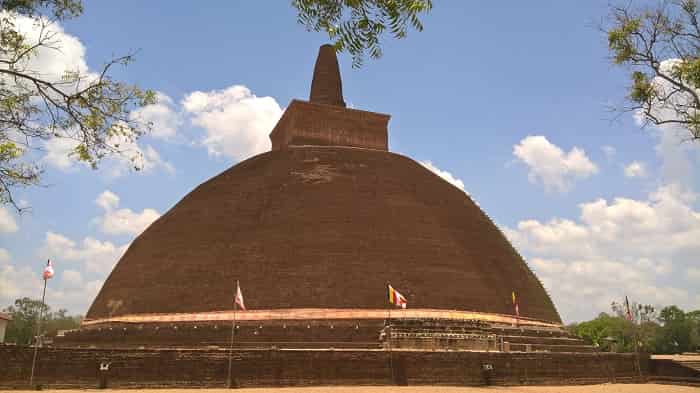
<point x="510" y="99"/>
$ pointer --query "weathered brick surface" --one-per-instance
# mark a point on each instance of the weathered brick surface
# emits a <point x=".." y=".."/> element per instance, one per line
<point x="65" y="367"/>
<point x="327" y="228"/>
<point x="672" y="368"/>
<point x="326" y="86"/>
<point x="308" y="123"/>
<point x="297" y="334"/>
<point x="348" y="334"/>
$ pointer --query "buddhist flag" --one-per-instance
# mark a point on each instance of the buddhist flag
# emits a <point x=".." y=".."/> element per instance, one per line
<point x="396" y="298"/>
<point x="628" y="312"/>
<point x="48" y="270"/>
<point x="515" y="304"/>
<point x="239" y="297"/>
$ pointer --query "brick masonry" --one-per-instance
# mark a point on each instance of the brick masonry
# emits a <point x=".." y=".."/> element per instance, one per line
<point x="71" y="367"/>
<point x="309" y="123"/>
<point x="322" y="227"/>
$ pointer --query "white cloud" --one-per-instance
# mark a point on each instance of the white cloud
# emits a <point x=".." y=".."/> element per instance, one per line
<point x="18" y="282"/>
<point x="95" y="255"/>
<point x="107" y="200"/>
<point x="4" y="255"/>
<point x="549" y="164"/>
<point x="68" y="54"/>
<point x="162" y="116"/>
<point x="693" y="273"/>
<point x="444" y="174"/>
<point x="616" y="248"/>
<point x="680" y="157"/>
<point x="635" y="169"/>
<point x="71" y="291"/>
<point x="72" y="278"/>
<point x="64" y="52"/>
<point x="135" y="158"/>
<point x="58" y="154"/>
<point x="80" y="271"/>
<point x="7" y="221"/>
<point x="236" y="122"/>
<point x="609" y="151"/>
<point x="131" y="157"/>
<point x="122" y="221"/>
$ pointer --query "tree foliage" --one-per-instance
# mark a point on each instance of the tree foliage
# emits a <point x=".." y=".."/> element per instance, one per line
<point x="607" y="332"/>
<point x="25" y="314"/>
<point x="661" y="48"/>
<point x="670" y="330"/>
<point x="89" y="108"/>
<point x="356" y="26"/>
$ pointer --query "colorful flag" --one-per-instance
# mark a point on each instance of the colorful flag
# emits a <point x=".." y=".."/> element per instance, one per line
<point x="239" y="297"/>
<point x="48" y="270"/>
<point x="396" y="298"/>
<point x="627" y="309"/>
<point x="515" y="304"/>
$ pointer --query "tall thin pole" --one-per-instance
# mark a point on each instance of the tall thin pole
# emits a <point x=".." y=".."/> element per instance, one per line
<point x="233" y="334"/>
<point x="636" y="348"/>
<point x="38" y="331"/>
<point x="391" y="357"/>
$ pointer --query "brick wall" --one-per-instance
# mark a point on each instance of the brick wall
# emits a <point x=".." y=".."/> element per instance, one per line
<point x="248" y="333"/>
<point x="308" y="123"/>
<point x="326" y="228"/>
<point x="672" y="368"/>
<point x="70" y="367"/>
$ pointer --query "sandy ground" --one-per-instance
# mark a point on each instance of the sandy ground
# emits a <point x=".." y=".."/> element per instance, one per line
<point x="678" y="358"/>
<point x="607" y="388"/>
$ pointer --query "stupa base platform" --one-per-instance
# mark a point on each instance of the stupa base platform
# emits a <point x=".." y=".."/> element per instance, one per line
<point x="150" y="368"/>
<point x="421" y="329"/>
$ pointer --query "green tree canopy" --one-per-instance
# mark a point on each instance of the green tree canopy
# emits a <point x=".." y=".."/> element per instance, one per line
<point x="677" y="331"/>
<point x="356" y="26"/>
<point x="89" y="108"/>
<point x="661" y="48"/>
<point x="25" y="314"/>
<point x="607" y="332"/>
<point x="670" y="330"/>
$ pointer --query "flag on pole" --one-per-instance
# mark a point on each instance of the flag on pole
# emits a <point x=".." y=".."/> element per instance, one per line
<point x="628" y="312"/>
<point x="48" y="270"/>
<point x="239" y="297"/>
<point x="515" y="304"/>
<point x="396" y="298"/>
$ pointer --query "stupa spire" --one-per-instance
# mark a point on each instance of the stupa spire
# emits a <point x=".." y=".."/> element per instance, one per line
<point x="324" y="120"/>
<point x="326" y="86"/>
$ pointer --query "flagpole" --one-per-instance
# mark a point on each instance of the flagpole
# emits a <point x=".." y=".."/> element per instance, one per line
<point x="391" y="357"/>
<point x="38" y="330"/>
<point x="636" y="344"/>
<point x="233" y="334"/>
<point x="633" y="320"/>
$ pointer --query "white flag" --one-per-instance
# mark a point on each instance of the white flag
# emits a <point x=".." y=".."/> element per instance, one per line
<point x="48" y="270"/>
<point x="239" y="297"/>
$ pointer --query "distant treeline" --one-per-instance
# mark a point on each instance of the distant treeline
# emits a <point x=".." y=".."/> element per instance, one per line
<point x="670" y="330"/>
<point x="25" y="313"/>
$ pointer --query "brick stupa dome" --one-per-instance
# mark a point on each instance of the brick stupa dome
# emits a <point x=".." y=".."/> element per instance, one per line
<point x="322" y="222"/>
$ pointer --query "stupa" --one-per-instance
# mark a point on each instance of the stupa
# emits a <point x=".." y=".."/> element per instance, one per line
<point x="314" y="230"/>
